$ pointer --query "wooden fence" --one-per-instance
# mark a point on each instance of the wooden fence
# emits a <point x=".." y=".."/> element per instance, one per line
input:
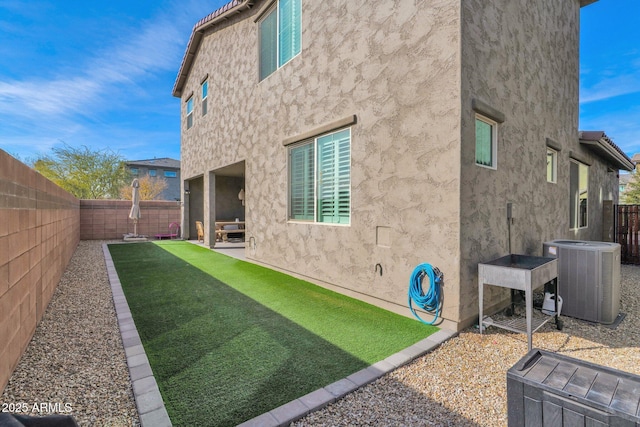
<point x="628" y="233"/>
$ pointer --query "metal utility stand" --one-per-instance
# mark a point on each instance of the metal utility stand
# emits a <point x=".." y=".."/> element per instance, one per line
<point x="522" y="273"/>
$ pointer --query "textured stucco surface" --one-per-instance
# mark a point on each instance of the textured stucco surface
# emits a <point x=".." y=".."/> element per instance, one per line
<point x="395" y="67"/>
<point x="408" y="70"/>
<point x="521" y="58"/>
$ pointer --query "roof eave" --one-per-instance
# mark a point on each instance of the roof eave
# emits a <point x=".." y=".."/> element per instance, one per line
<point x="604" y="148"/>
<point x="584" y="3"/>
<point x="221" y="14"/>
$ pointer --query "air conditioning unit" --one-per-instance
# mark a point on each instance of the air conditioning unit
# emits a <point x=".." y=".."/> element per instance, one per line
<point x="588" y="278"/>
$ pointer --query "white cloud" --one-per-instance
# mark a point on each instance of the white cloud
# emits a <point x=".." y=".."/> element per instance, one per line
<point x="95" y="99"/>
<point x="156" y="46"/>
<point x="611" y="87"/>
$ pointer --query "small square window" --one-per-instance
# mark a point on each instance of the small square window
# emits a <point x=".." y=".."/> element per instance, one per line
<point x="152" y="172"/>
<point x="134" y="171"/>
<point x="190" y="112"/>
<point x="205" y="92"/>
<point x="552" y="165"/>
<point x="486" y="142"/>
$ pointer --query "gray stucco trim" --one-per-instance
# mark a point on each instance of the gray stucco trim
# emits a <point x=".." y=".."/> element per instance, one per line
<point x="327" y="127"/>
<point x="487" y="110"/>
<point x="580" y="158"/>
<point x="263" y="10"/>
<point x="553" y="144"/>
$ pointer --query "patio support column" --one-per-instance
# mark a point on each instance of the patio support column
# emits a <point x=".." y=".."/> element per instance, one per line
<point x="210" y="210"/>
<point x="184" y="206"/>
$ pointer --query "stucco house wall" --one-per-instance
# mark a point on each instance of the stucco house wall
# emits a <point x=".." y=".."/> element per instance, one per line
<point x="395" y="72"/>
<point x="520" y="58"/>
<point x="406" y="77"/>
<point x="163" y="168"/>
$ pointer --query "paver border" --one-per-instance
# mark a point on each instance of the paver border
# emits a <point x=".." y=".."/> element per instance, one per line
<point x="153" y="413"/>
<point x="298" y="408"/>
<point x="146" y="393"/>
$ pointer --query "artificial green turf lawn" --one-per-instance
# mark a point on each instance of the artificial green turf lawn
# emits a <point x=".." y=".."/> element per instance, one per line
<point x="229" y="340"/>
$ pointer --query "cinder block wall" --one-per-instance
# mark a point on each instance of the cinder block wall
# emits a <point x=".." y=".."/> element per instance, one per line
<point x="39" y="232"/>
<point x="109" y="219"/>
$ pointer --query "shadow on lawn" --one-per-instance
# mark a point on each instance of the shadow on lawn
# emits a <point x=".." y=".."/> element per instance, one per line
<point x="219" y="357"/>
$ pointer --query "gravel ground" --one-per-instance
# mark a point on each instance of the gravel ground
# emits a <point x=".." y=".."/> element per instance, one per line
<point x="76" y="358"/>
<point x="463" y="382"/>
<point x="75" y="362"/>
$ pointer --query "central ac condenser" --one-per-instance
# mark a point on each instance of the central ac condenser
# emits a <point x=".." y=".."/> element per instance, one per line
<point x="588" y="278"/>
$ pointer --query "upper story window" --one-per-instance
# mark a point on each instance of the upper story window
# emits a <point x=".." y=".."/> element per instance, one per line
<point x="486" y="142"/>
<point x="320" y="179"/>
<point x="170" y="174"/>
<point x="578" y="193"/>
<point x="205" y="92"/>
<point x="552" y="165"/>
<point x="134" y="171"/>
<point x="190" y="112"/>
<point x="152" y="172"/>
<point x="280" y="34"/>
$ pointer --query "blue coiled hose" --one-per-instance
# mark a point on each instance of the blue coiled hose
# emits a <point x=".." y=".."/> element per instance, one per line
<point x="430" y="301"/>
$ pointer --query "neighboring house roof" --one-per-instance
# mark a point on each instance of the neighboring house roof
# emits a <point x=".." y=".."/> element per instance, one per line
<point x="625" y="178"/>
<point x="606" y="148"/>
<point x="163" y="162"/>
<point x="229" y="9"/>
<point x="222" y="14"/>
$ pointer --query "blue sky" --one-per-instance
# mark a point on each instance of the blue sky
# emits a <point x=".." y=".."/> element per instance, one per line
<point x="610" y="71"/>
<point x="100" y="73"/>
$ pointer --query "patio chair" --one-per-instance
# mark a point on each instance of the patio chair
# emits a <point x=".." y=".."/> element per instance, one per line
<point x="174" y="232"/>
<point x="200" y="229"/>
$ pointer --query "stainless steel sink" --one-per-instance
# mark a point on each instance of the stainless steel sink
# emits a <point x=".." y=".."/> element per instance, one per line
<point x="519" y="272"/>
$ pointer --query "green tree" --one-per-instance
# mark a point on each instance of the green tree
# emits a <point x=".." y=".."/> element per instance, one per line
<point x="85" y="173"/>
<point x="150" y="188"/>
<point x="632" y="192"/>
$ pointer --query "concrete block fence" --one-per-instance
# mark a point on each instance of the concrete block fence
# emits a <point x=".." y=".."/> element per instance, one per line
<point x="109" y="219"/>
<point x="39" y="232"/>
<point x="40" y="227"/>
